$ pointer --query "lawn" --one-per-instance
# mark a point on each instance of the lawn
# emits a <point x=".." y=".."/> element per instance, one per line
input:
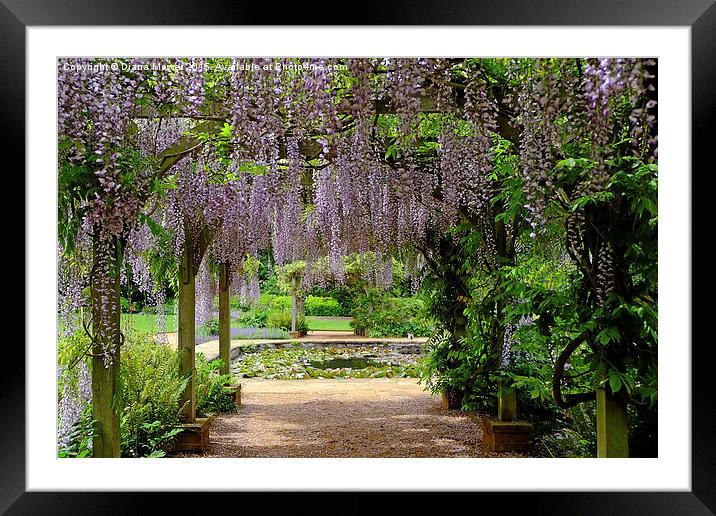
<point x="148" y="322"/>
<point x="318" y="323"/>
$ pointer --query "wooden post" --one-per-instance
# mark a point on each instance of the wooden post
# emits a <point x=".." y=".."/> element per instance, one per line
<point x="301" y="302"/>
<point x="506" y="403"/>
<point x="186" y="332"/>
<point x="106" y="334"/>
<point x="224" y="320"/>
<point x="294" y="305"/>
<point x="612" y="427"/>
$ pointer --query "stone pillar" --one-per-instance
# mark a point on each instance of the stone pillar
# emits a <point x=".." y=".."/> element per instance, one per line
<point x="224" y="320"/>
<point x="612" y="427"/>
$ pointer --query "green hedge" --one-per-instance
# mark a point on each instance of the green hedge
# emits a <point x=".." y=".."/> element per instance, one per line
<point x="271" y="309"/>
<point x="323" y="306"/>
<point x="378" y="315"/>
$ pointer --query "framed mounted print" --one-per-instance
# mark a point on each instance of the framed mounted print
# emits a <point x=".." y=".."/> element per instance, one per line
<point x="421" y="257"/>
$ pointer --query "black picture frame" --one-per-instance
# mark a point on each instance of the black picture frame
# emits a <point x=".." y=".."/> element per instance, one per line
<point x="699" y="15"/>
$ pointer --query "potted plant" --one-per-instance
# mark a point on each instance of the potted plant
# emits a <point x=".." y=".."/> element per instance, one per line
<point x="444" y="372"/>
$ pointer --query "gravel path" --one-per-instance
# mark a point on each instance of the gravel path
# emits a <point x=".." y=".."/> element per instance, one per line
<point x="381" y="417"/>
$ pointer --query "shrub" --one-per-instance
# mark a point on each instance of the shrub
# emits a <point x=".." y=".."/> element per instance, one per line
<point x="210" y="327"/>
<point x="377" y="315"/>
<point x="129" y="307"/>
<point x="442" y="369"/>
<point x="282" y="319"/>
<point x="210" y="388"/>
<point x="344" y="296"/>
<point x="274" y="302"/>
<point x="78" y="440"/>
<point x="256" y="318"/>
<point x="239" y="303"/>
<point x="75" y="426"/>
<point x="323" y="306"/>
<point x="150" y="394"/>
<point x="151" y="389"/>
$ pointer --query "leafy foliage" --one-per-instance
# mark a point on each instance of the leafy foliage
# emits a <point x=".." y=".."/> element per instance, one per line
<point x="151" y="389"/>
<point x="210" y="387"/>
<point x="80" y="437"/>
<point x="376" y="314"/>
<point x="324" y="306"/>
<point x="282" y="319"/>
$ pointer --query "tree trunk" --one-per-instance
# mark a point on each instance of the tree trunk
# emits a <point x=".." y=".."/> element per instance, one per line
<point x="105" y="348"/>
<point x="186" y="337"/>
<point x="224" y="320"/>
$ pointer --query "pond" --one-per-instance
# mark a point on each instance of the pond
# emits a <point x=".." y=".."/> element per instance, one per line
<point x="297" y="363"/>
<point x="350" y="363"/>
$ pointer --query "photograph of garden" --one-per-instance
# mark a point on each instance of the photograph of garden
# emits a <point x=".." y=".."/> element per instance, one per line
<point x="357" y="257"/>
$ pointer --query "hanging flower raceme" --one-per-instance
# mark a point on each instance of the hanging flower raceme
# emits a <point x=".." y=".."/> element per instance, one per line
<point x="187" y="204"/>
<point x="97" y="101"/>
<point x="72" y="278"/>
<point x="75" y="397"/>
<point x="204" y="294"/>
<point x="287" y="212"/>
<point x="605" y="80"/>
<point x="539" y="98"/>
<point x="555" y="103"/>
<point x="140" y="241"/>
<point x="404" y="83"/>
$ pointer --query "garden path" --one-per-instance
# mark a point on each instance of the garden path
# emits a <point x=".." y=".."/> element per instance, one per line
<point x="380" y="417"/>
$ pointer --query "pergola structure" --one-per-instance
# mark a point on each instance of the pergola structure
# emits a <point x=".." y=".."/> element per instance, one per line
<point x="387" y="151"/>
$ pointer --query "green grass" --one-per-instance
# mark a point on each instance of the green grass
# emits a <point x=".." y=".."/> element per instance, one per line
<point x="148" y="322"/>
<point x="317" y="323"/>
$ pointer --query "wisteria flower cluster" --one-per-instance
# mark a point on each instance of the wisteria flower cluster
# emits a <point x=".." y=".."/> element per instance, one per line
<point x="324" y="161"/>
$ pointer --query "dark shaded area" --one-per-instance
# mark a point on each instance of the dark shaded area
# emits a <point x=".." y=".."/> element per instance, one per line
<point x="451" y="12"/>
<point x="703" y="83"/>
<point x="339" y="363"/>
<point x="12" y="132"/>
<point x="553" y="504"/>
